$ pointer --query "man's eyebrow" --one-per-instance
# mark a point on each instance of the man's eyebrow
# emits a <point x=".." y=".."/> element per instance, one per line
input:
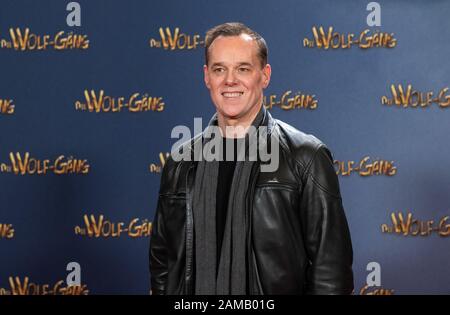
<point x="245" y="64"/>
<point x="217" y="64"/>
<point x="220" y="64"/>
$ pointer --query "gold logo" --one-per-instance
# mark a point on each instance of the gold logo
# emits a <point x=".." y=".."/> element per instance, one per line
<point x="7" y="106"/>
<point x="290" y="101"/>
<point x="412" y="98"/>
<point x="366" y="290"/>
<point x="135" y="103"/>
<point x="99" y="227"/>
<point x="27" y="165"/>
<point x="6" y="231"/>
<point x="335" y="40"/>
<point x="410" y="226"/>
<point x="365" y="167"/>
<point x="157" y="168"/>
<point x="25" y="287"/>
<point x="175" y="40"/>
<point x="21" y="40"/>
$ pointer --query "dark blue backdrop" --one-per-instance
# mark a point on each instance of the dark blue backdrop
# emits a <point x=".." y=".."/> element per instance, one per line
<point x="348" y="84"/>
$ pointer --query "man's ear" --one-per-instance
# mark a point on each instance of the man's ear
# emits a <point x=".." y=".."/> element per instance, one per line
<point x="267" y="72"/>
<point x="206" y="76"/>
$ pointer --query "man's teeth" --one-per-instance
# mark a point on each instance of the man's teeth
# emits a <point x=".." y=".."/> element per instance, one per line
<point x="232" y="94"/>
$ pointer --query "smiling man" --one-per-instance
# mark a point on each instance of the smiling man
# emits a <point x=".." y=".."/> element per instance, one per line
<point x="236" y="72"/>
<point x="228" y="227"/>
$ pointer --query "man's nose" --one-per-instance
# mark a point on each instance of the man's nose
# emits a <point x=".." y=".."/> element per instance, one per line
<point x="230" y="79"/>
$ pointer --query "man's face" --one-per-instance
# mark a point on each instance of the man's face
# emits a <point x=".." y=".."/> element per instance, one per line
<point x="235" y="78"/>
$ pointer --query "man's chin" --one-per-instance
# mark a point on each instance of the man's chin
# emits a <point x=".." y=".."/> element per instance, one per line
<point x="232" y="115"/>
<point x="232" y="112"/>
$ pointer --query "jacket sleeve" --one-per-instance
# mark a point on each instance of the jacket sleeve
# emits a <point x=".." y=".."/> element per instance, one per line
<point x="158" y="254"/>
<point x="325" y="229"/>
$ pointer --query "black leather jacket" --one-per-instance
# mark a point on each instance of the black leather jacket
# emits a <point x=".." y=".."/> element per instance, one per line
<point x="300" y="241"/>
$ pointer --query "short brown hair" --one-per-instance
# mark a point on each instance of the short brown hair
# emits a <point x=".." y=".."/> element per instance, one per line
<point x="236" y="29"/>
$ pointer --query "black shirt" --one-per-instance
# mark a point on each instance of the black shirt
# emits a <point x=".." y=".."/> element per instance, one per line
<point x="226" y="171"/>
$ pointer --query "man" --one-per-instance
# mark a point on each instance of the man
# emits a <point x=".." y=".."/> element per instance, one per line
<point x="227" y="227"/>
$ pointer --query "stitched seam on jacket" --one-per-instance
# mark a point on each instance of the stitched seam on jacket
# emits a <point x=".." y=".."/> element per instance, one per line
<point x="323" y="188"/>
<point x="289" y="153"/>
<point x="308" y="167"/>
<point x="315" y="181"/>
<point x="300" y="163"/>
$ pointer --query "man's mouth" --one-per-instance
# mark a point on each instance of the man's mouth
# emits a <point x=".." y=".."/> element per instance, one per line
<point x="232" y="94"/>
